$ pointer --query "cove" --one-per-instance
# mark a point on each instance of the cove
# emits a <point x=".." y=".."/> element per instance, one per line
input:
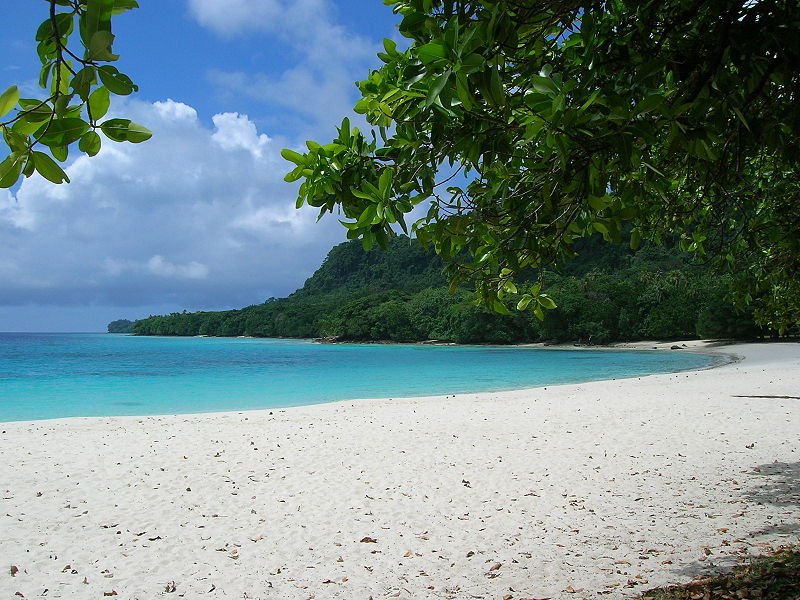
<point x="45" y="376"/>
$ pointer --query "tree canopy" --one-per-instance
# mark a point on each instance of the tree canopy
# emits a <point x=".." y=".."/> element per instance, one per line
<point x="529" y="125"/>
<point x="78" y="80"/>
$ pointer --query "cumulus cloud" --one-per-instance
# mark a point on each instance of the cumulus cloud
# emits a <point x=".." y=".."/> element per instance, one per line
<point x="237" y="131"/>
<point x="198" y="217"/>
<point x="231" y="17"/>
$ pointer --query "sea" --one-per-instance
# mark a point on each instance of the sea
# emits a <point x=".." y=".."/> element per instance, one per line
<point x="47" y="376"/>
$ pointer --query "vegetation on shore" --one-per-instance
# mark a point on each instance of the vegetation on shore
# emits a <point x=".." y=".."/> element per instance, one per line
<point x="772" y="577"/>
<point x="608" y="294"/>
<point x="121" y="326"/>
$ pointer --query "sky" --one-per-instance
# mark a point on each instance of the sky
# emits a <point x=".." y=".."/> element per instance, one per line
<point x="198" y="217"/>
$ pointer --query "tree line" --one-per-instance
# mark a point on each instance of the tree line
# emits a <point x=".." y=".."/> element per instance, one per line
<point x="608" y="293"/>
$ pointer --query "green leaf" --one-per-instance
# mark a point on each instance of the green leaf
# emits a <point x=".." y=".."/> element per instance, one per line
<point x="44" y="75"/>
<point x="121" y="6"/>
<point x="544" y="85"/>
<point x="472" y="63"/>
<point x="96" y="18"/>
<point x="11" y="169"/>
<point x="8" y="99"/>
<point x="61" y="106"/>
<point x="463" y="91"/>
<point x="385" y="183"/>
<point x="496" y="90"/>
<point x="100" y="46"/>
<point x="99" y="102"/>
<point x="431" y="52"/>
<point x="295" y="157"/>
<point x="368" y="241"/>
<point x="636" y="239"/>
<point x="599" y="203"/>
<point x="649" y="104"/>
<point x="18" y="142"/>
<point x="28" y="124"/>
<point x="62" y="132"/>
<point x="31" y="104"/>
<point x="83" y="81"/>
<point x="601" y="227"/>
<point x="545" y="301"/>
<point x="63" y="26"/>
<point x="44" y="31"/>
<point x="60" y="81"/>
<point x="437" y="87"/>
<point x="592" y="99"/>
<point x="90" y="143"/>
<point x="116" y="82"/>
<point x="48" y="168"/>
<point x="368" y="215"/>
<point x="28" y="167"/>
<point x="363" y="195"/>
<point x="344" y="131"/>
<point x="500" y="308"/>
<point x="292" y="176"/>
<point x="60" y="153"/>
<point x="741" y="118"/>
<point x="124" y="130"/>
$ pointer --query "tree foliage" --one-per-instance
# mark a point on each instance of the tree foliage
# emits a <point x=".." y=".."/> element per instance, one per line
<point x="120" y="326"/>
<point x="609" y="294"/>
<point x="529" y="125"/>
<point x="74" y="44"/>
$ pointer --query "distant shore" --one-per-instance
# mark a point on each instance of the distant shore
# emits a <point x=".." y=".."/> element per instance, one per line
<point x="568" y="491"/>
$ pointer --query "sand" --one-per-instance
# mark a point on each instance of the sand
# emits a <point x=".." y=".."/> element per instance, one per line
<point x="597" y="490"/>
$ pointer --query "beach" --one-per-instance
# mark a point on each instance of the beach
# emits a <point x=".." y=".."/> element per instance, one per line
<point x="594" y="490"/>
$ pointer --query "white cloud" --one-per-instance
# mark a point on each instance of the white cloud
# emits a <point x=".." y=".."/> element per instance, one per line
<point x="199" y="216"/>
<point x="156" y="265"/>
<point x="170" y="110"/>
<point x="235" y="131"/>
<point x="230" y="17"/>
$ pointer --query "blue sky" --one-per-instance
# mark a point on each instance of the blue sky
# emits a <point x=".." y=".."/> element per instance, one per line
<point x="198" y="217"/>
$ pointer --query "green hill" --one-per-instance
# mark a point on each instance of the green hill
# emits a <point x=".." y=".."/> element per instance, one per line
<point x="120" y="326"/>
<point x="609" y="293"/>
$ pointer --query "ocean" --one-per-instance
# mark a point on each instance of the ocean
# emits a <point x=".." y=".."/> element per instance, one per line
<point x="45" y="376"/>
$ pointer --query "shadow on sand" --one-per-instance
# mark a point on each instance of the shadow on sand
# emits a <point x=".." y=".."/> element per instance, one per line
<point x="778" y="484"/>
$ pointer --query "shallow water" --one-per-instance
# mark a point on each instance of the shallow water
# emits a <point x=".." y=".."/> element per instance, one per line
<point x="46" y="376"/>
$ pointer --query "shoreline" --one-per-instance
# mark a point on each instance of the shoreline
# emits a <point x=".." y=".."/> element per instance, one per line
<point x="564" y="491"/>
<point x="703" y="347"/>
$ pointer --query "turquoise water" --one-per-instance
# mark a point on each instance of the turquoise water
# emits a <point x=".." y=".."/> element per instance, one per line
<point x="45" y="376"/>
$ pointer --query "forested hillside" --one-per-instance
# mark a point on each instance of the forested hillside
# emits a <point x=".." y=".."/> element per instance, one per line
<point x="607" y="294"/>
<point x="120" y="326"/>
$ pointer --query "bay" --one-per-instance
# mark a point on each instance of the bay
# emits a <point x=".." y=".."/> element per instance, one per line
<point x="44" y="376"/>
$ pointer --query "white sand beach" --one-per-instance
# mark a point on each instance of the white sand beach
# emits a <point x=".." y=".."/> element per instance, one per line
<point x="597" y="490"/>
